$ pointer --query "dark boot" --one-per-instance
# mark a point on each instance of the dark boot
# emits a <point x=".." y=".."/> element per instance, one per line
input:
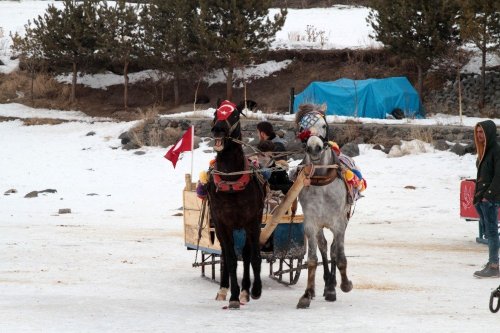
<point x="489" y="271"/>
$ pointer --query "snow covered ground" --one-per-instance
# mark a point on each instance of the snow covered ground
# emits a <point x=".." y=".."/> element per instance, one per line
<point x="118" y="261"/>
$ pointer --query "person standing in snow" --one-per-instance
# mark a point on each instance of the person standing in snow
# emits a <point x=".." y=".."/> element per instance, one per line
<point x="487" y="192"/>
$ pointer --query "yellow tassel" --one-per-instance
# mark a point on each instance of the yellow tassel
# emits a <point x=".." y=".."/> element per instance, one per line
<point x="349" y="175"/>
<point x="203" y="177"/>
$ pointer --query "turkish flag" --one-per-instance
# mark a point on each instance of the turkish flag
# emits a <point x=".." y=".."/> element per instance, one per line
<point x="184" y="144"/>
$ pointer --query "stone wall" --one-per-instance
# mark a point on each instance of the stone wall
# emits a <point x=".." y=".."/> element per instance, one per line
<point x="169" y="130"/>
<point x="447" y="99"/>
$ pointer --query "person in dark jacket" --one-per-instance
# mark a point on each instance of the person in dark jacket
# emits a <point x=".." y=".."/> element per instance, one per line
<point x="278" y="179"/>
<point x="487" y="192"/>
<point x="265" y="131"/>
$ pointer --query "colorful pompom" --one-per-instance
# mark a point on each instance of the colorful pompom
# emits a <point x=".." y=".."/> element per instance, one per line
<point x="201" y="190"/>
<point x="335" y="147"/>
<point x="304" y="135"/>
<point x="357" y="173"/>
<point x="349" y="175"/>
<point x="203" y="178"/>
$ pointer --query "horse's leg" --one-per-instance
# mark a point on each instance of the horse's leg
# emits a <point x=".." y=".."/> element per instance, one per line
<point x="328" y="274"/>
<point x="224" y="279"/>
<point x="245" y="282"/>
<point x="231" y="261"/>
<point x="312" y="263"/>
<point x="256" y="260"/>
<point x="345" y="285"/>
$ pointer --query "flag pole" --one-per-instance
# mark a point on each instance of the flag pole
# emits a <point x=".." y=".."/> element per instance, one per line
<point x="192" y="148"/>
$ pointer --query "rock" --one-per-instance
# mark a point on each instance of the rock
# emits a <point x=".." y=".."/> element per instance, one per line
<point x="64" y="211"/>
<point x="441" y="145"/>
<point x="125" y="137"/>
<point x="378" y="147"/>
<point x="163" y="122"/>
<point x="395" y="151"/>
<point x="410" y="187"/>
<point x="351" y="149"/>
<point x="11" y="191"/>
<point x="458" y="149"/>
<point x="90" y="133"/>
<point x="91" y="194"/>
<point x="109" y="210"/>
<point x="470" y="148"/>
<point x="49" y="190"/>
<point x="32" y="194"/>
<point x="131" y="145"/>
<point x="359" y="140"/>
<point x="140" y="152"/>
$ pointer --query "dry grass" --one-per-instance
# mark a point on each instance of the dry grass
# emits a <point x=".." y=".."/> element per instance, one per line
<point x="421" y="133"/>
<point x="11" y="85"/>
<point x="47" y="93"/>
<point x="44" y="86"/>
<point x="42" y="121"/>
<point x="154" y="136"/>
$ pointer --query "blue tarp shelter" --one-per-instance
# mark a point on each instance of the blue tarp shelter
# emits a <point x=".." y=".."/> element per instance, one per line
<point x="371" y="98"/>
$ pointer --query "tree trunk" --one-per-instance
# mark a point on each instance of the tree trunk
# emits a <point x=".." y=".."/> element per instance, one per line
<point x="483" y="76"/>
<point x="459" y="94"/>
<point x="420" y="82"/>
<point x="125" y="84"/>
<point x="32" y="85"/>
<point x="229" y="83"/>
<point x="176" y="87"/>
<point x="73" y="84"/>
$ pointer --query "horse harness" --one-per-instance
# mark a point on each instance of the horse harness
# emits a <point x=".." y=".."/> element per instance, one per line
<point x="237" y="185"/>
<point x="330" y="176"/>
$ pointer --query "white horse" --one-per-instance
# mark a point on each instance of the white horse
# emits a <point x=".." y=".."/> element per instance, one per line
<point x="324" y="205"/>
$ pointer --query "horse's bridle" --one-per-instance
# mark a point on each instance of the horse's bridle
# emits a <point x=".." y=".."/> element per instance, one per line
<point x="308" y="121"/>
<point x="232" y="127"/>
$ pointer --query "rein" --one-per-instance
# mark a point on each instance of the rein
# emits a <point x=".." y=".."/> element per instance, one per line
<point x="256" y="151"/>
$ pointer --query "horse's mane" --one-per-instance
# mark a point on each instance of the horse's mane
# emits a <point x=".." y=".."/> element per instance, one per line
<point x="308" y="107"/>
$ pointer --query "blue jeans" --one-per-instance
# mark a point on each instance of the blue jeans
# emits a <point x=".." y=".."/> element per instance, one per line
<point x="488" y="214"/>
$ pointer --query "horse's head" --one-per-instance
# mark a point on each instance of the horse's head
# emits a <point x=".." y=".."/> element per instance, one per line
<point x="313" y="132"/>
<point x="312" y="122"/>
<point x="226" y="125"/>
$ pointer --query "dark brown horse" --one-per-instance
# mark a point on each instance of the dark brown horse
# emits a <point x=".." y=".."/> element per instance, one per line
<point x="236" y="200"/>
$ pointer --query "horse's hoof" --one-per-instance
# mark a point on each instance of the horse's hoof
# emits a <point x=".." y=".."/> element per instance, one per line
<point x="256" y="293"/>
<point x="346" y="287"/>
<point x="304" y="302"/>
<point x="244" y="297"/>
<point x="330" y="296"/>
<point x="221" y="294"/>
<point x="234" y="305"/>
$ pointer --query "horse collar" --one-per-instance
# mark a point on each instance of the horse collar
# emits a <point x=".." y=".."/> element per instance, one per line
<point x="330" y="176"/>
<point x="232" y="186"/>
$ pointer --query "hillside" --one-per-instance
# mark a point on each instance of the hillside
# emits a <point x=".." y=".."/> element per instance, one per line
<point x="271" y="93"/>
